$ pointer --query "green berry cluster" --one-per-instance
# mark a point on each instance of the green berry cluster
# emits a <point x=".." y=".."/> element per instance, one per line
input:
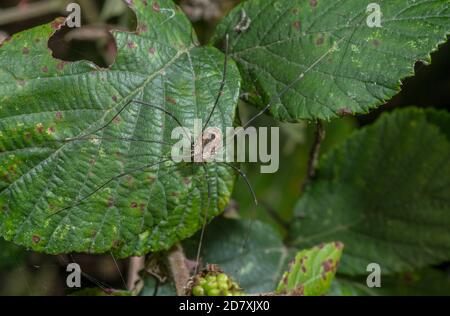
<point x="212" y="284"/>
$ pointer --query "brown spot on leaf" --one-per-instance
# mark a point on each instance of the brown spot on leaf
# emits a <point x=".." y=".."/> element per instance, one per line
<point x="110" y="202"/>
<point x="320" y="41"/>
<point x="25" y="51"/>
<point x="56" y="25"/>
<point x="338" y="245"/>
<point x="27" y="136"/>
<point x="376" y="43"/>
<point x="142" y="206"/>
<point x="171" y="100"/>
<point x="145" y="2"/>
<point x="297" y="25"/>
<point x="285" y="279"/>
<point x="142" y="28"/>
<point x="152" y="50"/>
<point x="60" y="65"/>
<point x="114" y="98"/>
<point x="45" y="69"/>
<point x="50" y="130"/>
<point x="131" y="44"/>
<point x="36" y="239"/>
<point x="328" y="265"/>
<point x="299" y="291"/>
<point x="313" y="3"/>
<point x="344" y="112"/>
<point x="39" y="128"/>
<point x="58" y="116"/>
<point x="134" y="205"/>
<point x="156" y="7"/>
<point x="295" y="11"/>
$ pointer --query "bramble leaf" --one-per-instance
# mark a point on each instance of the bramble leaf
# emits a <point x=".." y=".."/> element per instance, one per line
<point x="348" y="66"/>
<point x="385" y="194"/>
<point x="55" y="154"/>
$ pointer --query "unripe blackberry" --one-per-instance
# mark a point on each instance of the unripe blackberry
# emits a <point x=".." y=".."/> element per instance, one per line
<point x="214" y="283"/>
<point x="198" y="291"/>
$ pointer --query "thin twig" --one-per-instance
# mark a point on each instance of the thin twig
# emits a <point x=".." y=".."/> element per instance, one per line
<point x="315" y="151"/>
<point x="179" y="269"/>
<point x="136" y="264"/>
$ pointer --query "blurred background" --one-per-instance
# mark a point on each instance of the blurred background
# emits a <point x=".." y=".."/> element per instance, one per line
<point x="27" y="273"/>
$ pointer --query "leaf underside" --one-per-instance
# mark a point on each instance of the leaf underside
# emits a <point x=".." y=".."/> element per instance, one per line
<point x="283" y="39"/>
<point x="47" y="105"/>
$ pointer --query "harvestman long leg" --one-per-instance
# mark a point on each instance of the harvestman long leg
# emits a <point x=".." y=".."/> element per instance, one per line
<point x="222" y="83"/>
<point x="123" y="108"/>
<point x="205" y="218"/>
<point x="123" y="174"/>
<point x="244" y="176"/>
<point x="290" y="85"/>
<point x="87" y="137"/>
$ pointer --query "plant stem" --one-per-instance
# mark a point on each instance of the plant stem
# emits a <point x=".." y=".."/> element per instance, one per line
<point x="179" y="269"/>
<point x="315" y="151"/>
<point x="136" y="264"/>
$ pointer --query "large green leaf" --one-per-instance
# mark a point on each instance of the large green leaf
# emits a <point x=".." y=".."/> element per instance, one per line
<point x="47" y="105"/>
<point x="312" y="271"/>
<point x="348" y="66"/>
<point x="385" y="194"/>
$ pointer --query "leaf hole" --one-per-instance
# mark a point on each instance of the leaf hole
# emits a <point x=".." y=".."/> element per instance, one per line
<point x="91" y="42"/>
<point x="94" y="44"/>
